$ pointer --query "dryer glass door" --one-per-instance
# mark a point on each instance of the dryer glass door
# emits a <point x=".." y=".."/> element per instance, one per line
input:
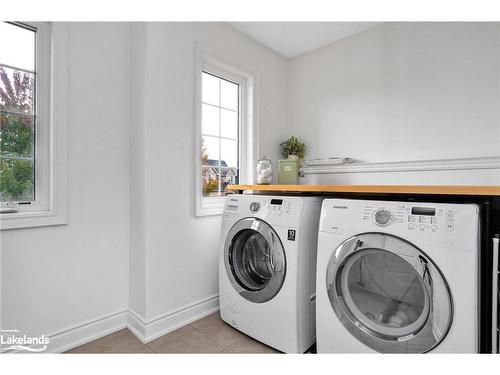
<point x="389" y="294"/>
<point x="255" y="260"/>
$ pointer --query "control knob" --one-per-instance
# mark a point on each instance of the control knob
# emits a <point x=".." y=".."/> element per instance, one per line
<point x="254" y="206"/>
<point x="382" y="217"/>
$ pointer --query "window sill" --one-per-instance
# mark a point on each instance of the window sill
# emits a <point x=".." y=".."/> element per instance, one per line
<point x="210" y="207"/>
<point x="32" y="219"/>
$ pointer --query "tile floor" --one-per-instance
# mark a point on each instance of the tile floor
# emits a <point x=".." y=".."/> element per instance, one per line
<point x="207" y="335"/>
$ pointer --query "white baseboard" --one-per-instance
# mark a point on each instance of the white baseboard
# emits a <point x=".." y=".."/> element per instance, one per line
<point x="151" y="329"/>
<point x="135" y="324"/>
<point x="145" y="331"/>
<point x="81" y="334"/>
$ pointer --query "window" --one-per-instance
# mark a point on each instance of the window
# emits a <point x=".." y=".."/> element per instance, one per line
<point x="18" y="118"/>
<point x="220" y="132"/>
<point x="28" y="143"/>
<point x="226" y="127"/>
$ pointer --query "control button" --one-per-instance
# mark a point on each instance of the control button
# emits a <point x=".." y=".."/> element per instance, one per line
<point x="382" y="217"/>
<point x="254" y="206"/>
<point x="411" y="218"/>
<point x="449" y="214"/>
<point x="433" y="220"/>
<point x="449" y="226"/>
<point x="422" y="226"/>
<point x="434" y="228"/>
<point x="422" y="219"/>
<point x="411" y="226"/>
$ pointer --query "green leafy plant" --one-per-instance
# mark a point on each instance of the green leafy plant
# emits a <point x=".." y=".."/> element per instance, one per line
<point x="292" y="146"/>
<point x="210" y="186"/>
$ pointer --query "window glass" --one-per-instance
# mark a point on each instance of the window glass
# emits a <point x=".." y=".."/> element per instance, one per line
<point x="211" y="147"/>
<point x="229" y="124"/>
<point x="220" y="134"/>
<point x="17" y="113"/>
<point x="229" y="95"/>
<point x="229" y="152"/>
<point x="210" y="115"/>
<point x="210" y="89"/>
<point x="18" y="46"/>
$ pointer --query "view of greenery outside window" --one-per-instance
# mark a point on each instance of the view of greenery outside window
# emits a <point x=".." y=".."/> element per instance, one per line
<point x="17" y="113"/>
<point x="220" y="134"/>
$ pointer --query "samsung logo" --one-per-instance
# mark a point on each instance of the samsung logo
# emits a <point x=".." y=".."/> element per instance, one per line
<point x="342" y="207"/>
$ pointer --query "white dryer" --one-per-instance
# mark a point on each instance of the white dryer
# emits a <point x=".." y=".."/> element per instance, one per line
<point x="267" y="268"/>
<point x="397" y="277"/>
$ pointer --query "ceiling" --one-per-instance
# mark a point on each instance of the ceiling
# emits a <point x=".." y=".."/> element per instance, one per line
<point x="294" y="38"/>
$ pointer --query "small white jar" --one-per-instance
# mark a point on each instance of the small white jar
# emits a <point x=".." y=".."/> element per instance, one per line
<point x="264" y="172"/>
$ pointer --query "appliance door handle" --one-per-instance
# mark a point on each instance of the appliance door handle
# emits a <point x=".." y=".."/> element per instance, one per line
<point x="494" y="305"/>
<point x="271" y="253"/>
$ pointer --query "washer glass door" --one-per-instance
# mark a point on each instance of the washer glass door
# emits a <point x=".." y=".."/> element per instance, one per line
<point x="255" y="260"/>
<point x="389" y="294"/>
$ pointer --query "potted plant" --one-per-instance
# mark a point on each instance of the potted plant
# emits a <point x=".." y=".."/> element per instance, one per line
<point x="292" y="148"/>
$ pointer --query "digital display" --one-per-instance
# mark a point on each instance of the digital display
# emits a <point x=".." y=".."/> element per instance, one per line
<point x="278" y="202"/>
<point x="427" y="211"/>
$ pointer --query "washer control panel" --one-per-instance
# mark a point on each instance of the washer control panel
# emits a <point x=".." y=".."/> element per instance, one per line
<point x="261" y="207"/>
<point x="279" y="207"/>
<point x="416" y="218"/>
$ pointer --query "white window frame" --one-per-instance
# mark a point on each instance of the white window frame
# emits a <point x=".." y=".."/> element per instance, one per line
<point x="221" y="65"/>
<point x="51" y="67"/>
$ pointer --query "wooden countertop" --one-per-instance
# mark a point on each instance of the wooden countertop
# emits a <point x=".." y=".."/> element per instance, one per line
<point x="376" y="189"/>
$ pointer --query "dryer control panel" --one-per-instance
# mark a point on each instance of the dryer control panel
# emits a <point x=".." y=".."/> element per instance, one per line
<point x="435" y="224"/>
<point x="430" y="218"/>
<point x="418" y="218"/>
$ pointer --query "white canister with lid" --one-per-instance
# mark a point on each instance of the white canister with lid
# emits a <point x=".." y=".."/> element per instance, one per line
<point x="264" y="172"/>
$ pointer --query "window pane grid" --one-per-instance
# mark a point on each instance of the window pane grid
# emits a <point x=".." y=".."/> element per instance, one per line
<point x="220" y="161"/>
<point x="17" y="68"/>
<point x="220" y="142"/>
<point x="7" y="157"/>
<point x="214" y="136"/>
<point x="221" y="107"/>
<point x="17" y="113"/>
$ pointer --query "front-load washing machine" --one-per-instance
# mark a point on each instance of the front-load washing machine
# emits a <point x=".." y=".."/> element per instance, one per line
<point x="397" y="277"/>
<point x="267" y="268"/>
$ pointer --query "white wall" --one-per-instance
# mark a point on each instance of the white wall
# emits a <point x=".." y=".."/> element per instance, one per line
<point x="54" y="278"/>
<point x="400" y="91"/>
<point x="181" y="250"/>
<point x="138" y="116"/>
